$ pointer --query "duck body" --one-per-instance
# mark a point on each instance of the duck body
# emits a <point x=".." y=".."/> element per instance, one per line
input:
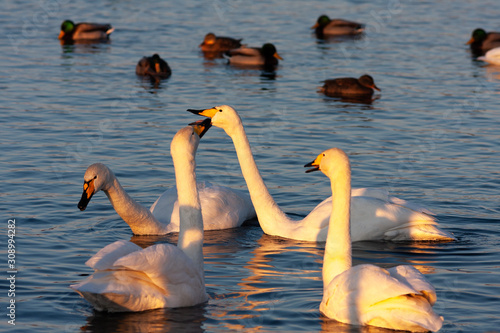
<point x="482" y="41"/>
<point x="265" y="56"/>
<point x="325" y="27"/>
<point x="398" y="298"/>
<point x="364" y="86"/>
<point x="128" y="278"/>
<point x="219" y="44"/>
<point x="492" y="56"/>
<point x="71" y="32"/>
<point x="154" y="67"/>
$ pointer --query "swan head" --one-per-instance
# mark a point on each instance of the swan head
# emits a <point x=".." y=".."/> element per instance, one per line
<point x="96" y="178"/>
<point x="330" y="162"/>
<point x="222" y="116"/>
<point x="186" y="140"/>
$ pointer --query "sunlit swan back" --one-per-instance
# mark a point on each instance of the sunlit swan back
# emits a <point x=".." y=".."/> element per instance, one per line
<point x="375" y="215"/>
<point x="399" y="298"/>
<point x="128" y="278"/>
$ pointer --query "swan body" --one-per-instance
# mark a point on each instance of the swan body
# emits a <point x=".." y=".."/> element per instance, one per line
<point x="223" y="207"/>
<point x="492" y="56"/>
<point x="375" y="216"/>
<point x="71" y="32"/>
<point x="398" y="298"/>
<point x="129" y="278"/>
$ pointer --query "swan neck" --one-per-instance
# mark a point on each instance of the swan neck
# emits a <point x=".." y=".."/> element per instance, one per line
<point x="269" y="214"/>
<point x="338" y="250"/>
<point x="191" y="222"/>
<point x="138" y="217"/>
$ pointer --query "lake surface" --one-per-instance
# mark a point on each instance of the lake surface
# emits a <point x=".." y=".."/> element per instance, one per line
<point x="431" y="136"/>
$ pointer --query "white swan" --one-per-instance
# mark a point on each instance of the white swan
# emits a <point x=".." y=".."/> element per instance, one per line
<point x="128" y="278"/>
<point x="223" y="207"/>
<point x="375" y="216"/>
<point x="492" y="56"/>
<point x="399" y="298"/>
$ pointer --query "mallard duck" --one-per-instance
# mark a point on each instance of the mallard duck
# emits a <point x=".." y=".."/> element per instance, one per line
<point x="71" y="32"/>
<point x="336" y="27"/>
<point x="212" y="43"/>
<point x="266" y="56"/>
<point x="349" y="87"/>
<point x="153" y="66"/>
<point x="482" y="41"/>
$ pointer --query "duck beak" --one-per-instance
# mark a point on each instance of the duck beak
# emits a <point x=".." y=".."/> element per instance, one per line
<point x="88" y="192"/>
<point x="277" y="56"/>
<point x="202" y="126"/>
<point x="61" y="35"/>
<point x="376" y="88"/>
<point x="314" y="164"/>
<point x="315" y="25"/>
<point x="470" y="41"/>
<point x="157" y="68"/>
<point x="206" y="113"/>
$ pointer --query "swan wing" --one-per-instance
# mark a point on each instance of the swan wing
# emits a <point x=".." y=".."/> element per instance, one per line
<point x="224" y="208"/>
<point x="411" y="276"/>
<point x="170" y="269"/>
<point x="370" y="295"/>
<point x="105" y="258"/>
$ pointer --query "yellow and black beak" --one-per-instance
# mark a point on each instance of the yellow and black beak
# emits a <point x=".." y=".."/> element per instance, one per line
<point x="88" y="192"/>
<point x="314" y="164"/>
<point x="206" y="113"/>
<point x="201" y="126"/>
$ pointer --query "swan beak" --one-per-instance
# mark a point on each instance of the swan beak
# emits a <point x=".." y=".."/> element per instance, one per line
<point x="88" y="192"/>
<point x="207" y="112"/>
<point x="314" y="164"/>
<point x="202" y="126"/>
<point x="277" y="56"/>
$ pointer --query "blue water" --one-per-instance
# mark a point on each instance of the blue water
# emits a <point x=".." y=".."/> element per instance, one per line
<point x="431" y="137"/>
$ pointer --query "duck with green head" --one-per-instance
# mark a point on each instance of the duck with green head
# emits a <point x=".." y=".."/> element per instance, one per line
<point x="266" y="56"/>
<point x="71" y="32"/>
<point x="482" y="41"/>
<point x="337" y="27"/>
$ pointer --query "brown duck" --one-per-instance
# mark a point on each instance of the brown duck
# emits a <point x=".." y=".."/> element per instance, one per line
<point x="349" y="87"/>
<point x="212" y="43"/>
<point x="154" y="66"/>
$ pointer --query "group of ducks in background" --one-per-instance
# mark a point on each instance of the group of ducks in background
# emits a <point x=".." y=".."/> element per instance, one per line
<point x="129" y="278"/>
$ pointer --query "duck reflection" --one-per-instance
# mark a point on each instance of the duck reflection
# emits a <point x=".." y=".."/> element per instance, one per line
<point x="188" y="319"/>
